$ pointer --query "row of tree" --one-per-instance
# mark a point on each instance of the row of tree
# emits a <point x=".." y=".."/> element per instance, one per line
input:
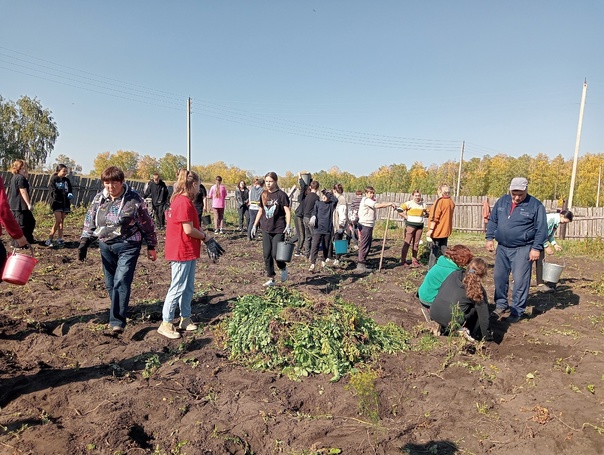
<point x="486" y="176"/>
<point x="28" y="131"/>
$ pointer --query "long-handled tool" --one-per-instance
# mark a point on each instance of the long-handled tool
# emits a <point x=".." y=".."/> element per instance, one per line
<point x="384" y="241"/>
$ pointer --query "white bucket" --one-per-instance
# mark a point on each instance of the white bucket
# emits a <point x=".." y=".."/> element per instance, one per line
<point x="552" y="272"/>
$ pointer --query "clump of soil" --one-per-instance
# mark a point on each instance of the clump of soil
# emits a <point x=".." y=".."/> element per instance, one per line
<point x="70" y="386"/>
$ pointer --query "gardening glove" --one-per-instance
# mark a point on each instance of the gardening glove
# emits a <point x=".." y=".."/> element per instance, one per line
<point x="313" y="221"/>
<point x="214" y="249"/>
<point x="253" y="231"/>
<point x="288" y="231"/>
<point x="83" y="248"/>
<point x="340" y="230"/>
<point x="70" y="196"/>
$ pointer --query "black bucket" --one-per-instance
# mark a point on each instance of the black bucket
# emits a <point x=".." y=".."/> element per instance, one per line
<point x="285" y="251"/>
<point x="206" y="220"/>
<point x="306" y="177"/>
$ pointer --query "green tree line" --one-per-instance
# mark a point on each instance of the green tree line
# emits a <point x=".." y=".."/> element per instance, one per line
<point x="549" y="178"/>
<point x="28" y="131"/>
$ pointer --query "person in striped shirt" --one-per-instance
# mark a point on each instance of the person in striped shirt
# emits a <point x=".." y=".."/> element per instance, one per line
<point x="413" y="212"/>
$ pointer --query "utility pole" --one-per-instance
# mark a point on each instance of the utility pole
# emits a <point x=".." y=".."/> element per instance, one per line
<point x="459" y="172"/>
<point x="577" y="143"/>
<point x="598" y="192"/>
<point x="188" y="134"/>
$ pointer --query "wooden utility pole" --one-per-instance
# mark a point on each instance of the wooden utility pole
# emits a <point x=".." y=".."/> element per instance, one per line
<point x="598" y="192"/>
<point x="577" y="143"/>
<point x="188" y="134"/>
<point x="459" y="172"/>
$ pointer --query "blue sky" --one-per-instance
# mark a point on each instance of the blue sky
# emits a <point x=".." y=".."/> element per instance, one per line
<point x="307" y="85"/>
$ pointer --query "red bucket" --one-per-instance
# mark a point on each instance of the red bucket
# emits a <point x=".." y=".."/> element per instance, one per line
<point x="18" y="268"/>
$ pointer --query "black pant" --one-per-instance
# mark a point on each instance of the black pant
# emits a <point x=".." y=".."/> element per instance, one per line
<point x="308" y="231"/>
<point x="243" y="217"/>
<point x="269" y="250"/>
<point x="27" y="222"/>
<point x="439" y="246"/>
<point x="318" y="240"/>
<point x="2" y="259"/>
<point x="159" y="215"/>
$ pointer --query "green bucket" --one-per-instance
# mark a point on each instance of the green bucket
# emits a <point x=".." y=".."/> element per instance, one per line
<point x="340" y="246"/>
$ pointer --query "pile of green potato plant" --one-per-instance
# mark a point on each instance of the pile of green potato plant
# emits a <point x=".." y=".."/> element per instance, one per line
<point x="284" y="331"/>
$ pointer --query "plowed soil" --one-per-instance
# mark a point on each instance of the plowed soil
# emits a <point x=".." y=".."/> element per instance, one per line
<point x="69" y="386"/>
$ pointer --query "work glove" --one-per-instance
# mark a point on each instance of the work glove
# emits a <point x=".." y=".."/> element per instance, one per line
<point x="214" y="249"/>
<point x="340" y="230"/>
<point x="70" y="196"/>
<point x="253" y="231"/>
<point x="288" y="231"/>
<point x="83" y="248"/>
<point x="313" y="221"/>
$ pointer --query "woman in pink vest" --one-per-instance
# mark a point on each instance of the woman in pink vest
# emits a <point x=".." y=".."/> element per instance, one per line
<point x="218" y="194"/>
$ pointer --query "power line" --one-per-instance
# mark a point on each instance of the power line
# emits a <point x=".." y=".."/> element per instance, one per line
<point x="139" y="93"/>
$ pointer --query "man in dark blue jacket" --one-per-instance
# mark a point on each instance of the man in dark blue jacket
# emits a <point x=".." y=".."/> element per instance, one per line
<point x="519" y="224"/>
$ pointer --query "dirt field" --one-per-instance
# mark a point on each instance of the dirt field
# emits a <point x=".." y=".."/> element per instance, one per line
<point x="69" y="387"/>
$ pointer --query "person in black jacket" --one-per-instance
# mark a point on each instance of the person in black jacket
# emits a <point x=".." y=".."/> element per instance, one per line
<point x="242" y="197"/>
<point x="299" y="212"/>
<point x="60" y="202"/>
<point x="158" y="192"/>
<point x="20" y="201"/>
<point x="198" y="202"/>
<point x="322" y="223"/>
<point x="308" y="206"/>
<point x="461" y="303"/>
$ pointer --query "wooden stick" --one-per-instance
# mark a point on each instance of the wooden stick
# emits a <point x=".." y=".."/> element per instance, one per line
<point x="384" y="241"/>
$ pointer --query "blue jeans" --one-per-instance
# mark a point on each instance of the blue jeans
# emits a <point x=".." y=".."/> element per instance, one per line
<point x="515" y="260"/>
<point x="119" y="262"/>
<point x="181" y="290"/>
<point x="252" y="219"/>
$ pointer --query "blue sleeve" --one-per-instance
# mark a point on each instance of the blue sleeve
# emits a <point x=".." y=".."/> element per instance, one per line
<point x="540" y="228"/>
<point x="492" y="224"/>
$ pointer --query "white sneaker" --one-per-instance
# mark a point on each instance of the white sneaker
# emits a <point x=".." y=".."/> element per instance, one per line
<point x="284" y="275"/>
<point x="167" y="329"/>
<point x="464" y="332"/>
<point x="187" y="325"/>
<point x="312" y="268"/>
<point x="48" y="242"/>
<point x="269" y="283"/>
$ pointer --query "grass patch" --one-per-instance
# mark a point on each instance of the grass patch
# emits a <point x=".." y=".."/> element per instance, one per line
<point x="284" y="331"/>
<point x="597" y="287"/>
<point x="362" y="383"/>
<point x="594" y="248"/>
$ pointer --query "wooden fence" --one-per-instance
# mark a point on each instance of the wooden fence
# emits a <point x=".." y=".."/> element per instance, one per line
<point x="84" y="188"/>
<point x="587" y="223"/>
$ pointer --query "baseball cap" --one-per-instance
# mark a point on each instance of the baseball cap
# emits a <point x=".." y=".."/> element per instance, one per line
<point x="519" y="184"/>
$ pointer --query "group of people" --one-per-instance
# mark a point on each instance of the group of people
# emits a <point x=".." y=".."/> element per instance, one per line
<point x="118" y="218"/>
<point x="452" y="295"/>
<point x="20" y="202"/>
